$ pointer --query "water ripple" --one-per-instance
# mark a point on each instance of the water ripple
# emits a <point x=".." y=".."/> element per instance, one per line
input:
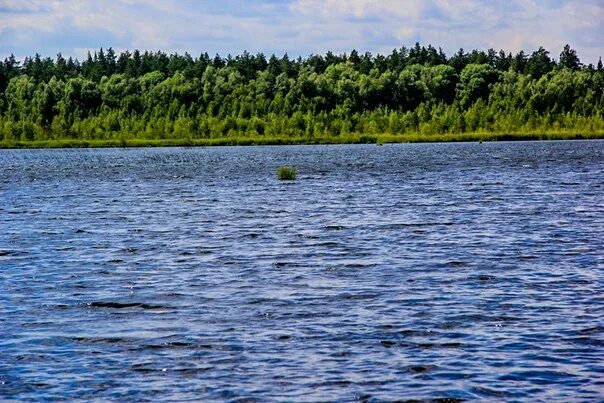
<point x="436" y="272"/>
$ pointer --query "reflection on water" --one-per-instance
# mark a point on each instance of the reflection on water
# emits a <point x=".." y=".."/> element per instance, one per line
<point x="463" y="271"/>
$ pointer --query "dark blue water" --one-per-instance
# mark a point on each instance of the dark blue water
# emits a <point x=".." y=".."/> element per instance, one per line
<point x="462" y="271"/>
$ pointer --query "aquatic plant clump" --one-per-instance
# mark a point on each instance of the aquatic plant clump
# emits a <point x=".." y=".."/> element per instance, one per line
<point x="286" y="173"/>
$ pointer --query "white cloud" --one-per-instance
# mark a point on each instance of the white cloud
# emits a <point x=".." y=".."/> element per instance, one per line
<point x="299" y="27"/>
<point x="512" y="25"/>
<point x="358" y="8"/>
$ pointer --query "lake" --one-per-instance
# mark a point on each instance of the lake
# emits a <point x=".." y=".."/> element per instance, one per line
<point x="411" y="271"/>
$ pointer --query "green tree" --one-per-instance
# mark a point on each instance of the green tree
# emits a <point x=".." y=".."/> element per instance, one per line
<point x="475" y="83"/>
<point x="569" y="58"/>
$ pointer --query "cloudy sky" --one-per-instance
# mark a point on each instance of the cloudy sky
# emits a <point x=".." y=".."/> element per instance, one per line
<point x="299" y="27"/>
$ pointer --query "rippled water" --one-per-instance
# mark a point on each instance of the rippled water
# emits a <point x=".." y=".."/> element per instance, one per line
<point x="462" y="271"/>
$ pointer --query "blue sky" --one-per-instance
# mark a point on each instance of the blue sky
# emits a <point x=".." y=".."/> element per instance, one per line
<point x="299" y="27"/>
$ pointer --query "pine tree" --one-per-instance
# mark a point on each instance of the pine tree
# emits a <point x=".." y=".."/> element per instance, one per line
<point x="569" y="58"/>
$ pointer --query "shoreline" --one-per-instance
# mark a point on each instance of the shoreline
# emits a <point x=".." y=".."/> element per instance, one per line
<point x="285" y="140"/>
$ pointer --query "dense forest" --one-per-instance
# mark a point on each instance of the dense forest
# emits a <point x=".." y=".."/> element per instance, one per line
<point x="413" y="91"/>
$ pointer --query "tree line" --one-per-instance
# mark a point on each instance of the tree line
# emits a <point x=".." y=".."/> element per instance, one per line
<point x="153" y="95"/>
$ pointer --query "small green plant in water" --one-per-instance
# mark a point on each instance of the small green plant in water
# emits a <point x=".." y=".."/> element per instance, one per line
<point x="285" y="173"/>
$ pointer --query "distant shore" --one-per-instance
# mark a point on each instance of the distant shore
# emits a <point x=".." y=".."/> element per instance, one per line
<point x="261" y="140"/>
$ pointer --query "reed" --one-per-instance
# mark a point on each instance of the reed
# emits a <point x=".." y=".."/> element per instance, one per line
<point x="351" y="138"/>
<point x="286" y="173"/>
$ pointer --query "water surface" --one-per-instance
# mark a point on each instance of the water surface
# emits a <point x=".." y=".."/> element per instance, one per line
<point x="462" y="271"/>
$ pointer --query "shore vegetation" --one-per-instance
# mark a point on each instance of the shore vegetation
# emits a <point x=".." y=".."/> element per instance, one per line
<point x="413" y="94"/>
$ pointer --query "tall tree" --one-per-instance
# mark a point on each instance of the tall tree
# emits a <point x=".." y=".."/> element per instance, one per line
<point x="569" y="58"/>
<point x="540" y="63"/>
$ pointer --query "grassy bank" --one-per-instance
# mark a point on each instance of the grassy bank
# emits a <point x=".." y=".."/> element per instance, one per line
<point x="342" y="139"/>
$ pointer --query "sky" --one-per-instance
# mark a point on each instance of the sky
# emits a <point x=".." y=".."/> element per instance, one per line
<point x="299" y="27"/>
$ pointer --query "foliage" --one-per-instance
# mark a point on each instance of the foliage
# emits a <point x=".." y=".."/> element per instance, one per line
<point x="285" y="173"/>
<point x="413" y="92"/>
